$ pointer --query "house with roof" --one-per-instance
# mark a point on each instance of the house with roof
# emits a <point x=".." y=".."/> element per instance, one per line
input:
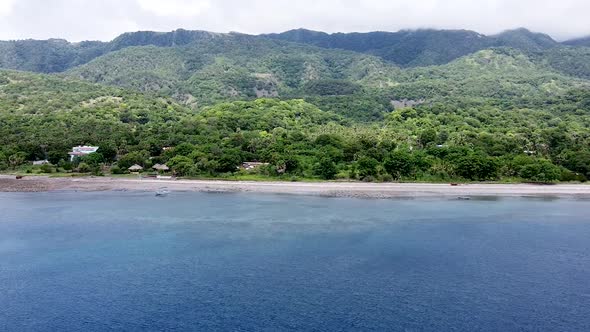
<point x="81" y="151"/>
<point x="135" y="169"/>
<point x="161" y="168"/>
<point x="41" y="162"/>
<point x="251" y="165"/>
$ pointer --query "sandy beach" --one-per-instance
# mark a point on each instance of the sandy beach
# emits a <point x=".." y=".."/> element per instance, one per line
<point x="335" y="189"/>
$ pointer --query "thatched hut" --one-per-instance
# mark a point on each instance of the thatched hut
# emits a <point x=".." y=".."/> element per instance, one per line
<point x="135" y="168"/>
<point x="161" y="168"/>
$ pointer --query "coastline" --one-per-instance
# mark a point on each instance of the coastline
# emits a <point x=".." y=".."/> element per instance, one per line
<point x="330" y="189"/>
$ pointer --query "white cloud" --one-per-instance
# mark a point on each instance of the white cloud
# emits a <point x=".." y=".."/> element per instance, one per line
<point x="6" y="7"/>
<point x="182" y="8"/>
<point x="90" y="19"/>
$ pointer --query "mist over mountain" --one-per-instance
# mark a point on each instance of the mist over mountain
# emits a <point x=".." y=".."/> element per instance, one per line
<point x="585" y="41"/>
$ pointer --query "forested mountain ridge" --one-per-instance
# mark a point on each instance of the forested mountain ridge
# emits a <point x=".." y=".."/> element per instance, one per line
<point x="403" y="48"/>
<point x="47" y="56"/>
<point x="414" y="48"/>
<point x="58" y="55"/>
<point x="524" y="40"/>
<point x="585" y="41"/>
<point x="237" y="67"/>
<point x="352" y="84"/>
<point x="501" y="73"/>
<point x="407" y="48"/>
<point x="199" y="69"/>
<point x="427" y="47"/>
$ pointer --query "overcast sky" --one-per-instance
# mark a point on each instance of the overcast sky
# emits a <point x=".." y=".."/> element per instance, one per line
<point x="77" y="20"/>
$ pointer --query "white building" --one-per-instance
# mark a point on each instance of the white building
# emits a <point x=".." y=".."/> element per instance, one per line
<point x="41" y="162"/>
<point x="81" y="151"/>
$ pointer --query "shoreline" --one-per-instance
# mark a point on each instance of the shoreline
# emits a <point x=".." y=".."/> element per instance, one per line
<point x="329" y="189"/>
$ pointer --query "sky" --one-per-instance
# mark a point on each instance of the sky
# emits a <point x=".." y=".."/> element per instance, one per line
<point x="78" y="20"/>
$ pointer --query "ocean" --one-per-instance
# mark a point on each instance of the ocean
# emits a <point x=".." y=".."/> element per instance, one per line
<point x="127" y="261"/>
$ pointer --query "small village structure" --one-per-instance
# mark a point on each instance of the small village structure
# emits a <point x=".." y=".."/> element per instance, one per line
<point x="135" y="169"/>
<point x="41" y="162"/>
<point x="252" y="165"/>
<point x="161" y="168"/>
<point x="81" y="151"/>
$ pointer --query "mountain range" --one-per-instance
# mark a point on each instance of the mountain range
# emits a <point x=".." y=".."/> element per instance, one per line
<point x="412" y="48"/>
<point x="406" y="48"/>
<point x="359" y="75"/>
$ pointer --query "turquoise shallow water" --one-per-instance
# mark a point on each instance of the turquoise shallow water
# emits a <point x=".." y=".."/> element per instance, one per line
<point x="244" y="262"/>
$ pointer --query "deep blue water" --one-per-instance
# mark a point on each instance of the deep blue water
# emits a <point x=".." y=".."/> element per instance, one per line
<point x="244" y="262"/>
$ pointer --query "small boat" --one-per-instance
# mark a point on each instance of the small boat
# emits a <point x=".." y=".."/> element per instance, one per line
<point x="162" y="192"/>
<point x="464" y="198"/>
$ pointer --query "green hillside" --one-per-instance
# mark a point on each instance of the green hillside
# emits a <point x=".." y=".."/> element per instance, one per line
<point x="585" y="41"/>
<point x="43" y="116"/>
<point x="58" y="55"/>
<point x="406" y="48"/>
<point x="359" y="87"/>
<point x="573" y="61"/>
<point x="418" y="48"/>
<point x="513" y="107"/>
<point x="40" y="113"/>
<point x="47" y="56"/>
<point x="241" y="67"/>
<point x="502" y="73"/>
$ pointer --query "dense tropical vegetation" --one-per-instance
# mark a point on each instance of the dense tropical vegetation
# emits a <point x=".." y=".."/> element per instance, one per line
<point x="513" y="107"/>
